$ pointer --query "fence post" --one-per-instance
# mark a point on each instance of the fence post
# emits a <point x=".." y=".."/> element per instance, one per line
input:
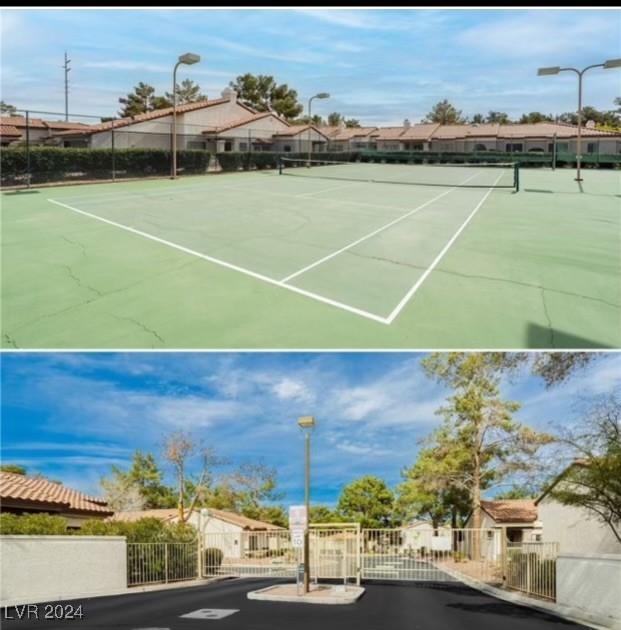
<point x="28" y="175"/>
<point x="503" y="555"/>
<point x="166" y="562"/>
<point x="113" y="155"/>
<point x="199" y="559"/>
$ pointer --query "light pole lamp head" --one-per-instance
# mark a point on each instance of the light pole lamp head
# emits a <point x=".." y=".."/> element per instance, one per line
<point x="322" y="95"/>
<point x="306" y="422"/>
<point x="612" y="63"/>
<point x="189" y="58"/>
<point x="550" y="70"/>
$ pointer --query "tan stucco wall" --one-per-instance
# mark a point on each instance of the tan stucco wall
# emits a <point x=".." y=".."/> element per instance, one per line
<point x="51" y="568"/>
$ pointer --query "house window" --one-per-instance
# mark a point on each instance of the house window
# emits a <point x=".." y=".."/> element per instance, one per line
<point x="243" y="146"/>
<point x="537" y="537"/>
<point x="287" y="148"/>
<point x="562" y="147"/>
<point x="592" y="147"/>
<point x="480" y="147"/>
<point x="228" y="145"/>
<point x="194" y="144"/>
<point x="514" y="147"/>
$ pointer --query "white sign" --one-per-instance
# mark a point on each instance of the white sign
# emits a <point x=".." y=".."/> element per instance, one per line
<point x="297" y="538"/>
<point x="297" y="517"/>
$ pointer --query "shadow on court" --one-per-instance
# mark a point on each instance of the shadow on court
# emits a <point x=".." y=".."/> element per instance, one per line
<point x="546" y="337"/>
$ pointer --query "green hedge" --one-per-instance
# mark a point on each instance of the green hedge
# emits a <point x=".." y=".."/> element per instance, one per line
<point x="563" y="160"/>
<point x="55" y="164"/>
<point x="142" y="530"/>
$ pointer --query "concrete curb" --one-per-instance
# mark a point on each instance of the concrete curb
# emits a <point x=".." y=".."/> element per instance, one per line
<point x="570" y="614"/>
<point x="333" y="596"/>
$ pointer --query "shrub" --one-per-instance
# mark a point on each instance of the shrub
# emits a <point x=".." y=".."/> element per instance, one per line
<point x="56" y="164"/>
<point x="33" y="524"/>
<point x="213" y="559"/>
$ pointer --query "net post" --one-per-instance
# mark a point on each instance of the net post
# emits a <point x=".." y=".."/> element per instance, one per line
<point x="280" y="164"/>
<point x="516" y="176"/>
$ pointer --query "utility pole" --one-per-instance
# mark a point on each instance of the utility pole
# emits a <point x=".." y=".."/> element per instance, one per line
<point x="66" y="68"/>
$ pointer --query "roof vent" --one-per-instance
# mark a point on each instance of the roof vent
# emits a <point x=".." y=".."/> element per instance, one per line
<point x="590" y="124"/>
<point x="406" y="123"/>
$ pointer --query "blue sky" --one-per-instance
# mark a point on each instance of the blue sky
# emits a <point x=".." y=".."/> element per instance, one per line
<point x="380" y="66"/>
<point x="72" y="415"/>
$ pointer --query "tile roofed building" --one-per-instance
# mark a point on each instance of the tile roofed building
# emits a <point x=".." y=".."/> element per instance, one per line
<point x="21" y="494"/>
<point x="511" y="510"/>
<point x="39" y="123"/>
<point x="171" y="515"/>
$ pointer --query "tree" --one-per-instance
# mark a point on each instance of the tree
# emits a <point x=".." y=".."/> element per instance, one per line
<point x="316" y="120"/>
<point x="499" y="118"/>
<point x="335" y="119"/>
<point x="138" y="101"/>
<point x="434" y="486"/>
<point x="478" y="119"/>
<point x="609" y="118"/>
<point x="477" y="419"/>
<point x="323" y="514"/>
<point x="140" y="487"/>
<point x="557" y="367"/>
<point x="594" y="481"/>
<point x="535" y="117"/>
<point x="13" y="468"/>
<point x="179" y="448"/>
<point x="5" y="108"/>
<point x="516" y="492"/>
<point x="274" y="515"/>
<point x="369" y="501"/>
<point x="252" y="484"/>
<point x="445" y="114"/>
<point x="187" y="92"/>
<point x="352" y="122"/>
<point x="263" y="94"/>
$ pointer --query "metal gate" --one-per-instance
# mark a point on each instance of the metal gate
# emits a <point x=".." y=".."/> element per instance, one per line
<point x="428" y="555"/>
<point x="334" y="553"/>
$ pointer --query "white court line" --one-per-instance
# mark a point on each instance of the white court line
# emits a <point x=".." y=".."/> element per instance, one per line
<point x="222" y="263"/>
<point x="408" y="296"/>
<point x="375" y="232"/>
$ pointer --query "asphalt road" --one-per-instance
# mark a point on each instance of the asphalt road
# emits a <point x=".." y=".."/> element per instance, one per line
<point x="398" y="606"/>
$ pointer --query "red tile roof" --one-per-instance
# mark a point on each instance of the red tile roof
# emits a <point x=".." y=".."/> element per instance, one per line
<point x="155" y="114"/>
<point x="296" y="130"/>
<point x="9" y="131"/>
<point x="511" y="510"/>
<point x="38" y="493"/>
<point x="346" y="133"/>
<point x="244" y="121"/>
<point x="39" y="123"/>
<point x="171" y="514"/>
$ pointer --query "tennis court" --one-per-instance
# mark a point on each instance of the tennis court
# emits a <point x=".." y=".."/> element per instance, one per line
<point x="335" y="255"/>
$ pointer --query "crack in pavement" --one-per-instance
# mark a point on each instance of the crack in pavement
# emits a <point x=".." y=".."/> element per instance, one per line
<point x="10" y="341"/>
<point x="545" y="310"/>
<point x="80" y="245"/>
<point x="80" y="283"/>
<point x="139" y="324"/>
<point x="103" y="295"/>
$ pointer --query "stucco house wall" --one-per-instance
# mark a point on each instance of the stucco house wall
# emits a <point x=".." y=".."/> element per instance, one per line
<point x="575" y="529"/>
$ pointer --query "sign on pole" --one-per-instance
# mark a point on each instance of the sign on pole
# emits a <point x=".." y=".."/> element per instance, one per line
<point x="298" y="522"/>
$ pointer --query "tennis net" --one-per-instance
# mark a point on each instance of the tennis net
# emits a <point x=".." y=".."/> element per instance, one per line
<point x="466" y="175"/>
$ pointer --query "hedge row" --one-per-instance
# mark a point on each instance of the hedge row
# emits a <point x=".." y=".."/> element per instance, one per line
<point x="56" y="164"/>
<point x="524" y="159"/>
<point x="142" y="530"/>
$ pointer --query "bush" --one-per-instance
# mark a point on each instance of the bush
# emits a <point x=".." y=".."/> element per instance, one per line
<point x="213" y="559"/>
<point x="33" y="524"/>
<point x="56" y="164"/>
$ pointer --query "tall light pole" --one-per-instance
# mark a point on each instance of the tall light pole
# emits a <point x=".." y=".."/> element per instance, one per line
<point x="307" y="423"/>
<point x="310" y="128"/>
<point x="611" y="63"/>
<point x="188" y="59"/>
<point x="67" y="69"/>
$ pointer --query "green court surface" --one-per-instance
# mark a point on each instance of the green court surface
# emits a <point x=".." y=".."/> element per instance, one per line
<point x="261" y="260"/>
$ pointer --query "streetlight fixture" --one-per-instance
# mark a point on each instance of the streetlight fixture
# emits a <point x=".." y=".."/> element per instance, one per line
<point x="310" y="128"/>
<point x="188" y="59"/>
<point x="611" y="63"/>
<point x="307" y="424"/>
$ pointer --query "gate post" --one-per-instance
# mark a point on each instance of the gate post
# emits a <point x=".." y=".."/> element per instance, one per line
<point x="358" y="553"/>
<point x="166" y="562"/>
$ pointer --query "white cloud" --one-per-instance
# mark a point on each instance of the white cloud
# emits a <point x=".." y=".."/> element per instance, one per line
<point x="537" y="34"/>
<point x="290" y="389"/>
